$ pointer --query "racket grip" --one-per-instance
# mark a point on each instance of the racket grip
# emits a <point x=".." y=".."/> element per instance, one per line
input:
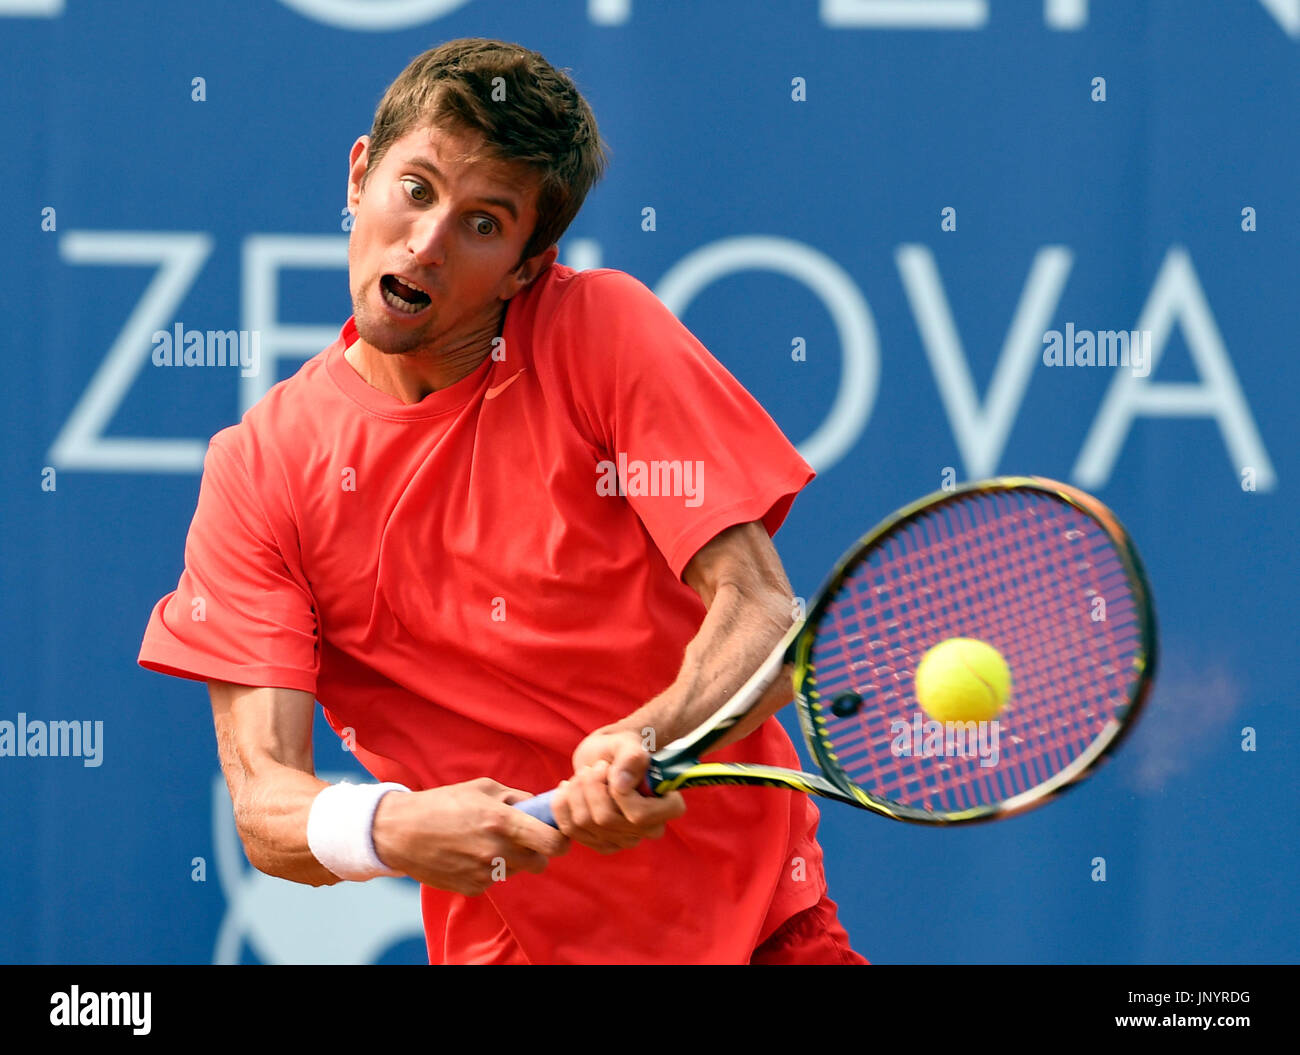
<point x="539" y="807"/>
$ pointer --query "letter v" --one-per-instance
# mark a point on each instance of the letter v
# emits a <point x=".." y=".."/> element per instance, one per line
<point x="981" y="432"/>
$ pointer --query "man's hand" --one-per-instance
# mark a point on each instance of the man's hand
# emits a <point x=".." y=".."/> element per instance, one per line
<point x="462" y="837"/>
<point x="601" y="805"/>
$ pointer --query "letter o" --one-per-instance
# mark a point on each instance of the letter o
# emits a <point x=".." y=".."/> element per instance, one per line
<point x="374" y="15"/>
<point x="849" y="310"/>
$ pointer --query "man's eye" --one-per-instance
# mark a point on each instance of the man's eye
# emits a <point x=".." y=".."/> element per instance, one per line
<point x="416" y="189"/>
<point x="484" y="226"/>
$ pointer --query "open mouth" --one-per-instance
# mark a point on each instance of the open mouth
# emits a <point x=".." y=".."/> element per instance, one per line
<point x="402" y="295"/>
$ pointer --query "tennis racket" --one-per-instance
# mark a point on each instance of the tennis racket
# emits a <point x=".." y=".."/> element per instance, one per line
<point x="1039" y="570"/>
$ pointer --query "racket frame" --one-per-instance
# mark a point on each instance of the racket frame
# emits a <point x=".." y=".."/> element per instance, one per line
<point x="678" y="765"/>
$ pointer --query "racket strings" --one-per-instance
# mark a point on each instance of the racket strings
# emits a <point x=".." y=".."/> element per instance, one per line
<point x="1025" y="572"/>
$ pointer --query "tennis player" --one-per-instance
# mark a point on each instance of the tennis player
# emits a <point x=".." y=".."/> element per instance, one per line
<point x="511" y="529"/>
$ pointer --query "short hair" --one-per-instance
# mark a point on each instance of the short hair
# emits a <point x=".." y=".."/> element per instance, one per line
<point x="538" y="119"/>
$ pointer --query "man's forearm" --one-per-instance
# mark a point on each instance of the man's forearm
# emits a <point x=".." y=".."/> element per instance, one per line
<point x="271" y="816"/>
<point x="749" y="609"/>
<point x="264" y="743"/>
<point x="738" y="633"/>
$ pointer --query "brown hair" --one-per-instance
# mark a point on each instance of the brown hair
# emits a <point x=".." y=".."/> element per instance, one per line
<point x="543" y="122"/>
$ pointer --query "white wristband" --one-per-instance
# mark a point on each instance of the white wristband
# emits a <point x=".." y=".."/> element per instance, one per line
<point x="339" y="829"/>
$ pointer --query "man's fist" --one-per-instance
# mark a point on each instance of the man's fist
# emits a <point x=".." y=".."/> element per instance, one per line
<point x="601" y="805"/>
<point x="462" y="837"/>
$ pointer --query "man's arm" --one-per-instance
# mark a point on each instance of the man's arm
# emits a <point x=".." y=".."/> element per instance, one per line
<point x="454" y="838"/>
<point x="742" y="583"/>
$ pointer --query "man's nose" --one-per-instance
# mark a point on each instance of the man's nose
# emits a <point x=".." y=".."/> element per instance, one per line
<point x="427" y="240"/>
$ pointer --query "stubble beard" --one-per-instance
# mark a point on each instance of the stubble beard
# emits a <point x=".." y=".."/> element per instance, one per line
<point x="371" y="328"/>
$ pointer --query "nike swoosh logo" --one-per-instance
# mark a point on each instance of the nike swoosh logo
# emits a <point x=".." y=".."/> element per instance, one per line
<point x="496" y="390"/>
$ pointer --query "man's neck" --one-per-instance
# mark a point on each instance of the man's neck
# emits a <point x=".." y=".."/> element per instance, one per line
<point x="413" y="375"/>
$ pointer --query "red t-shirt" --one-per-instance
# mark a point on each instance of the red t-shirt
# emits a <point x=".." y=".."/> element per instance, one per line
<point x="466" y="592"/>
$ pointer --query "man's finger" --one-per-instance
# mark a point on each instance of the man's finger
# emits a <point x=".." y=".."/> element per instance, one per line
<point x="535" y="835"/>
<point x="608" y="830"/>
<point x="522" y="861"/>
<point x="648" y="811"/>
<point x="574" y="818"/>
<point x="605" y="812"/>
<point x="511" y="796"/>
<point x="630" y="765"/>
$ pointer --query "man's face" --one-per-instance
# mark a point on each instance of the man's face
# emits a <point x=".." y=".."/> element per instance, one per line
<point x="453" y="230"/>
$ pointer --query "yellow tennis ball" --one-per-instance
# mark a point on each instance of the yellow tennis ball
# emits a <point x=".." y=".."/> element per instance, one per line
<point x="963" y="680"/>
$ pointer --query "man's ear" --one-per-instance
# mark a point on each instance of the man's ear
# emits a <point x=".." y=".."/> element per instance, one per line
<point x="529" y="270"/>
<point x="358" y="163"/>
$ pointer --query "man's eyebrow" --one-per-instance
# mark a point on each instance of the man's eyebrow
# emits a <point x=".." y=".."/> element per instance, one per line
<point x="507" y="204"/>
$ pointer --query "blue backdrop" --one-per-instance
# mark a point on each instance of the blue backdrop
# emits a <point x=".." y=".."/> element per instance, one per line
<point x="917" y="192"/>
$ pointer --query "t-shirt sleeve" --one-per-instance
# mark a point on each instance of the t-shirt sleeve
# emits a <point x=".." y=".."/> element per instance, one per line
<point x="240" y="613"/>
<point x="690" y="448"/>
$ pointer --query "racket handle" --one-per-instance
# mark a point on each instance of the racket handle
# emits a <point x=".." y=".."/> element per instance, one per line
<point x="539" y="807"/>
